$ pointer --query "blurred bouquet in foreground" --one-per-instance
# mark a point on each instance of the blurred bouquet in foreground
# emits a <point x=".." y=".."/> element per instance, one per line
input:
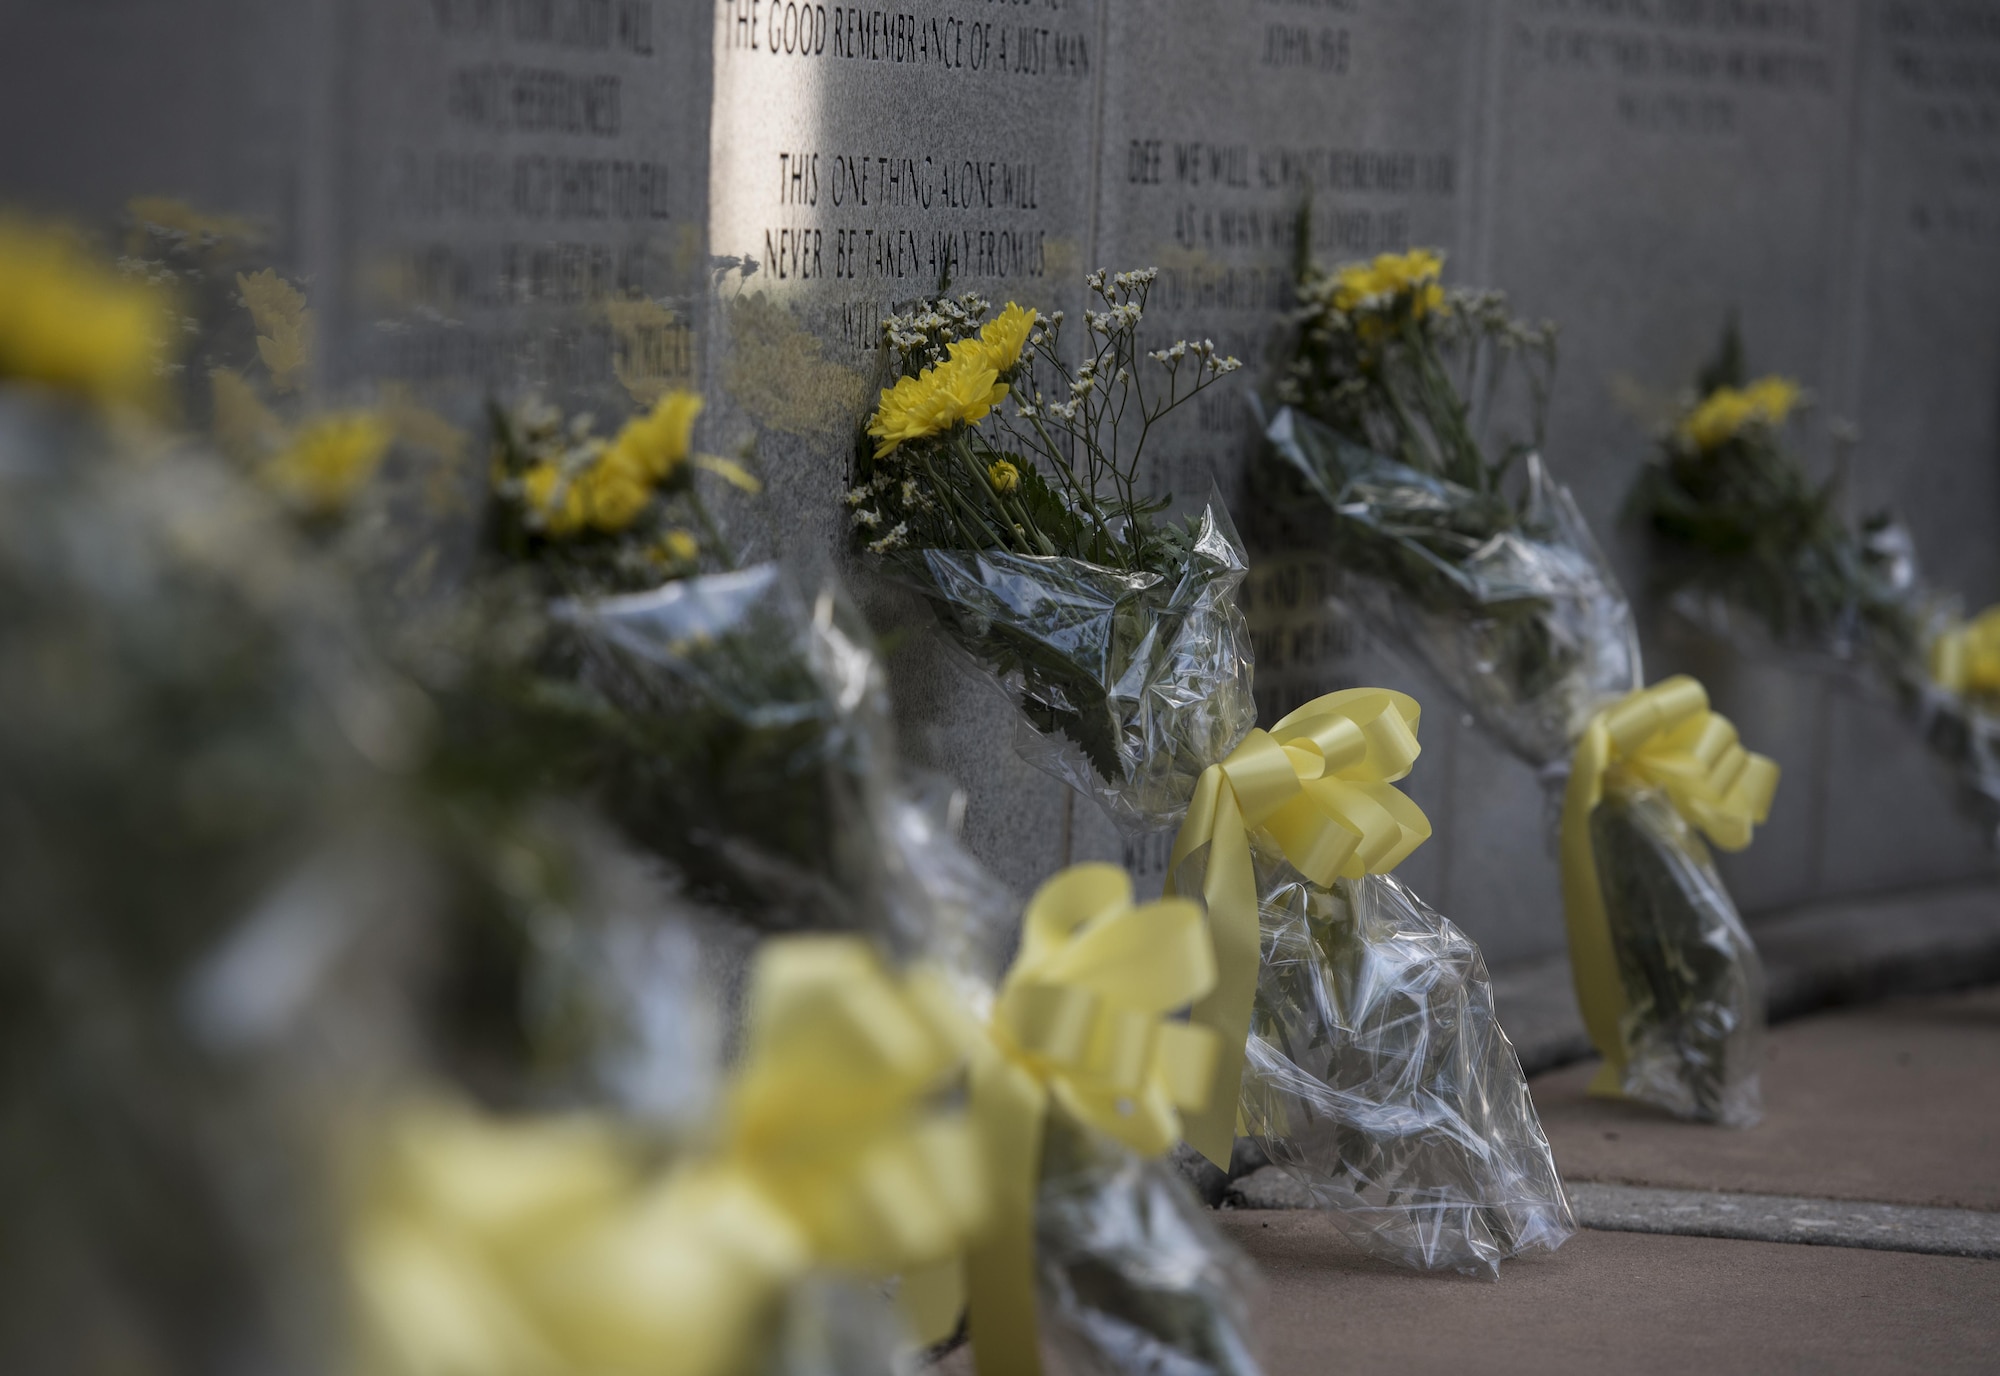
<point x="1749" y="547"/>
<point x="731" y="719"/>
<point x="343" y="1035"/>
<point x="1478" y="562"/>
<point x="1373" y="1063"/>
<point x="1481" y="566"/>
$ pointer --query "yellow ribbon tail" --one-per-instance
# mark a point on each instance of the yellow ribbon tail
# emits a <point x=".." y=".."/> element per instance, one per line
<point x="1009" y="1111"/>
<point x="932" y="1299"/>
<point x="1593" y="963"/>
<point x="1230" y="891"/>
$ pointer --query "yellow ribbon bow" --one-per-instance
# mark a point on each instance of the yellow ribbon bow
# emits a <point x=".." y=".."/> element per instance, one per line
<point x="1321" y="784"/>
<point x="1080" y="1018"/>
<point x="1966" y="659"/>
<point x="1663" y="738"/>
<point x="489" y="1248"/>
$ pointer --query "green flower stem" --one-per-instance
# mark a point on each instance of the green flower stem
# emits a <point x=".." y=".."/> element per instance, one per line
<point x="954" y="502"/>
<point x="1015" y="523"/>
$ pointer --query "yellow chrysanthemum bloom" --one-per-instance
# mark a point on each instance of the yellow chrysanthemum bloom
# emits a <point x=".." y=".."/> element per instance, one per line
<point x="555" y="498"/>
<point x="1392" y="278"/>
<point x="329" y="459"/>
<point x="679" y="547"/>
<point x="656" y="444"/>
<point x="1006" y="334"/>
<point x="1004" y="476"/>
<point x="69" y="322"/>
<point x="284" y="326"/>
<point x="613" y="494"/>
<point x="963" y="388"/>
<point x="1724" y="413"/>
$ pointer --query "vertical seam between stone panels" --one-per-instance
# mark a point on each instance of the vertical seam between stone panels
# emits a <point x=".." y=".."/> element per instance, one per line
<point x="1100" y="81"/>
<point x="1858" y="241"/>
<point x="1844" y="361"/>
<point x="323" y="174"/>
<point x="1478" y="143"/>
<point x="1482" y="141"/>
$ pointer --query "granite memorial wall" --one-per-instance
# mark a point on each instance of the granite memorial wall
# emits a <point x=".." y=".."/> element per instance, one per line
<point x="596" y="198"/>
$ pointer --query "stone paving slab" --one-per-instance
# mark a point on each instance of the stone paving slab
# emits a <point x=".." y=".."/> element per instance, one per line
<point x="1613" y="1302"/>
<point x="1781" y="1218"/>
<point x="1894" y="1103"/>
<point x="1842" y="951"/>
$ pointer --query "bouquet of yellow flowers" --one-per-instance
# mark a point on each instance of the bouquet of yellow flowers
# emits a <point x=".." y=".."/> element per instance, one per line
<point x="1358" y="1042"/>
<point x="1466" y="552"/>
<point x="1459" y="549"/>
<point x="732" y="719"/>
<point x="1748" y="545"/>
<point x="1113" y="630"/>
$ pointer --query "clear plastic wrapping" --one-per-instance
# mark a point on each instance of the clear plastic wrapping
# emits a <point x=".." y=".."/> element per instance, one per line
<point x="1693" y="1028"/>
<point x="738" y="726"/>
<point x="1512" y="606"/>
<point x="1135" y="1278"/>
<point x="182" y="716"/>
<point x="1380" y="1078"/>
<point x="1515" y="609"/>
<point x="1133" y="689"/>
<point x="1131" y="684"/>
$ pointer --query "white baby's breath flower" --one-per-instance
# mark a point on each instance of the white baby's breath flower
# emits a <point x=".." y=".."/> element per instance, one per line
<point x="898" y="535"/>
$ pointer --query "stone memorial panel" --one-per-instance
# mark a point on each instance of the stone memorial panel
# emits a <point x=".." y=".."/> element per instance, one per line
<point x="862" y="157"/>
<point x="1227" y="128"/>
<point x="1923" y="361"/>
<point x="1654" y="168"/>
<point x="522" y="194"/>
<point x="207" y="103"/>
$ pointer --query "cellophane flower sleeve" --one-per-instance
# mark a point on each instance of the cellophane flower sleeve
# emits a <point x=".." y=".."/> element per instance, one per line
<point x="1132" y="1276"/>
<point x="737" y="725"/>
<point x="1135" y="1277"/>
<point x="1128" y="684"/>
<point x="1133" y="688"/>
<point x="1380" y="1078"/>
<point x="1529" y="628"/>
<point x="1515" y="610"/>
<point x="187" y="714"/>
<point x="1693" y="1029"/>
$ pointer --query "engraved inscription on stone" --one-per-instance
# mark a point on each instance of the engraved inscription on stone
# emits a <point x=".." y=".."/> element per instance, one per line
<point x="1929" y="352"/>
<point x="863" y="157"/>
<point x="524" y="183"/>
<point x="1222" y="122"/>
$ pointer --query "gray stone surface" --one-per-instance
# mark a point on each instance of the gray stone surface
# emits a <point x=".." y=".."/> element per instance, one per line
<point x="1631" y="198"/>
<point x="1220" y="124"/>
<point x="208" y="101"/>
<point x="514" y="198"/>
<point x="860" y="156"/>
<point x="1921" y="349"/>
<point x="1785" y="1218"/>
<point x="1634" y="171"/>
